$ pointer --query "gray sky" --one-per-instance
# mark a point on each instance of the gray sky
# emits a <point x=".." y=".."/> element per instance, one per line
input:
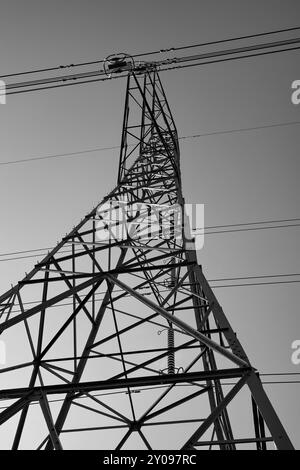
<point x="240" y="177"/>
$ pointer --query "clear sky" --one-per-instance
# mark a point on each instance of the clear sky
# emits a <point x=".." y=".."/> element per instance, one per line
<point x="240" y="177"/>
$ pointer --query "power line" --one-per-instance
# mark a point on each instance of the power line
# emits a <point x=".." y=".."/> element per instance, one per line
<point x="253" y="277"/>
<point x="206" y="58"/>
<point x="159" y="51"/>
<point x="255" y="284"/>
<point x="248" y="229"/>
<point x="251" y="223"/>
<point x="209" y="233"/>
<point x="239" y="38"/>
<point x="60" y="155"/>
<point x="237" y="50"/>
<point x="244" y="129"/>
<point x="247" y="56"/>
<point x="98" y="299"/>
<point x="76" y="81"/>
<point x="280" y="373"/>
<point x="278" y="383"/>
<point x="152" y="388"/>
<point x="30" y="256"/>
<point x="115" y="147"/>
<point x="37" y="250"/>
<point x="49" y="87"/>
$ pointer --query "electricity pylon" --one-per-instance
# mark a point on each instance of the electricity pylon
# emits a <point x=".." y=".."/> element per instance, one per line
<point x="125" y="344"/>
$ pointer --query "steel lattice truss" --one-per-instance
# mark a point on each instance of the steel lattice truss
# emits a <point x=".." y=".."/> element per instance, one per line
<point x="126" y="345"/>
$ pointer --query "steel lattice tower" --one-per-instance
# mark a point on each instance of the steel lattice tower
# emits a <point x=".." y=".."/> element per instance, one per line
<point x="126" y="345"/>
